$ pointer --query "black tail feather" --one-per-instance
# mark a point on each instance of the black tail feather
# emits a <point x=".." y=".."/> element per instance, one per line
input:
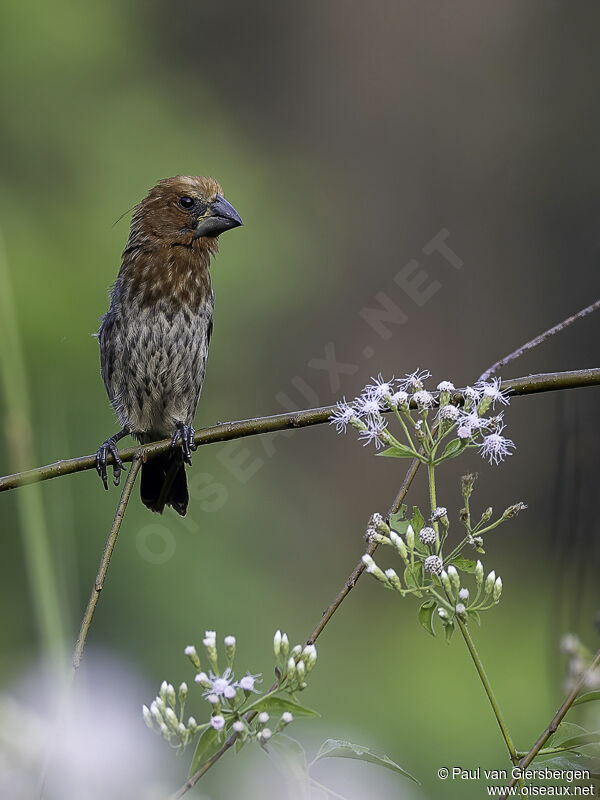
<point x="164" y="483"/>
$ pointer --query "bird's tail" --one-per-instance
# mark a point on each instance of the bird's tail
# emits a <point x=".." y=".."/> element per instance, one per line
<point x="164" y="483"/>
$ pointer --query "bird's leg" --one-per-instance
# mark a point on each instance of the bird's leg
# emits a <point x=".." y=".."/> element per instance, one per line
<point x="110" y="446"/>
<point x="184" y="434"/>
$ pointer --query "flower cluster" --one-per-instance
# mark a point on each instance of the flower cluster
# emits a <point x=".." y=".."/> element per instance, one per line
<point x="459" y="412"/>
<point x="431" y="572"/>
<point x="234" y="709"/>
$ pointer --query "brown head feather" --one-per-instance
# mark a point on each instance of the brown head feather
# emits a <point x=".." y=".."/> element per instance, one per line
<point x="162" y="258"/>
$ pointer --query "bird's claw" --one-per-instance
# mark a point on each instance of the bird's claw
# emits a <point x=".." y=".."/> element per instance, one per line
<point x="109" y="446"/>
<point x="185" y="435"/>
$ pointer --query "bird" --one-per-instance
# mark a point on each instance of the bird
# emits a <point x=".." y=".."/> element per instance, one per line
<point x="155" y="336"/>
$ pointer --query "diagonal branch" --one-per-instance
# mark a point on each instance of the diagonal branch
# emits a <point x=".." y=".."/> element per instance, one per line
<point x="555" y="722"/>
<point x="105" y="561"/>
<point x="531" y="384"/>
<point x="539" y="339"/>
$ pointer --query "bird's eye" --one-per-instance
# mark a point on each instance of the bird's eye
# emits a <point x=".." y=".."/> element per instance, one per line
<point x="186" y="202"/>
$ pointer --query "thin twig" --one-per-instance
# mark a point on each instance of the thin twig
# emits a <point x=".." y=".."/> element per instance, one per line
<point x="555" y="722"/>
<point x="539" y="339"/>
<point x="531" y="384"/>
<point x="105" y="561"/>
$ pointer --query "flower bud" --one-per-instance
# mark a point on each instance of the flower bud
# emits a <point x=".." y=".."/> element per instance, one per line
<point x="263" y="718"/>
<point x="277" y="643"/>
<point x="286" y="718"/>
<point x="446" y="581"/>
<point x="300" y="670"/>
<point x="393" y="578"/>
<point x="373" y="569"/>
<point x="512" y="511"/>
<point x="160" y="704"/>
<point x="238" y="726"/>
<point x="443" y="614"/>
<point x="171" y="696"/>
<point x="460" y="609"/>
<point x="183" y="692"/>
<point x="285" y="645"/>
<point x="165" y="732"/>
<point x="487" y="514"/>
<point x="497" y="589"/>
<point x="296" y="650"/>
<point x="489" y="582"/>
<point x="192" y="724"/>
<point x="156" y="714"/>
<point x="229" y="643"/>
<point x="171" y="719"/>
<point x="398" y="543"/>
<point x="463" y="594"/>
<point x="291" y="668"/>
<point x="191" y="653"/>
<point x="410" y="538"/>
<point x="162" y="692"/>
<point x="147" y="716"/>
<point x="454" y="576"/>
<point x="265" y="735"/>
<point x="479" y="573"/>
<point x="218" y="722"/>
<point x="309" y="656"/>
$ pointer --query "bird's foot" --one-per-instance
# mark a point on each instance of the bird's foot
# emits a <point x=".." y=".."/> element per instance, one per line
<point x="185" y="435"/>
<point x="109" y="447"/>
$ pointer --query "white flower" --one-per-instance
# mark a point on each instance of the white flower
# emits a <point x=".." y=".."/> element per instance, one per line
<point x="190" y="650"/>
<point x="434" y="564"/>
<point x="428" y="536"/>
<point x="460" y="608"/>
<point x="464" y="432"/>
<point x="474" y="421"/>
<point x="423" y="398"/>
<point x="341" y="416"/>
<point x="202" y="678"/>
<point x="263" y="717"/>
<point x="220" y="686"/>
<point x="238" y="726"/>
<point x="213" y="699"/>
<point x="373" y="433"/>
<point x="463" y="594"/>
<point x="210" y="635"/>
<point x="265" y="735"/>
<point x="380" y="389"/>
<point x="414" y="380"/>
<point x="438" y="513"/>
<point x="449" y="412"/>
<point x="286" y="717"/>
<point x="370" y="565"/>
<point x="368" y="407"/>
<point x="229" y="641"/>
<point x="248" y="681"/>
<point x="218" y="722"/>
<point x="471" y="393"/>
<point x="399" y="398"/>
<point x="496" y="447"/>
<point x="446" y="386"/>
<point x="492" y="390"/>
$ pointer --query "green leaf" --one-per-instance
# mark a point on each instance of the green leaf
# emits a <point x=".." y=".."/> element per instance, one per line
<point x="337" y="748"/>
<point x="587" y="697"/>
<point x="426" y="612"/>
<point x="413" y="575"/>
<point x="398" y="517"/>
<point x="454" y="448"/>
<point x="449" y="630"/>
<point x="589" y="737"/>
<point x="464" y="564"/>
<point x="568" y="761"/>
<point x="207" y="746"/>
<point x="277" y="705"/>
<point x="397" y="451"/>
<point x="474" y="616"/>
<point x="291" y="762"/>
<point x="417" y="520"/>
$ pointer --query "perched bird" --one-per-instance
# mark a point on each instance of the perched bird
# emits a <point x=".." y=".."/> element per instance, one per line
<point x="154" y="338"/>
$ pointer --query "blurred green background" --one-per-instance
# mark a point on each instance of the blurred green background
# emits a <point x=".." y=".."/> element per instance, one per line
<point x="347" y="137"/>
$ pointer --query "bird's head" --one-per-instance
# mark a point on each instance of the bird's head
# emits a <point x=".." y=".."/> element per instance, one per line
<point x="182" y="211"/>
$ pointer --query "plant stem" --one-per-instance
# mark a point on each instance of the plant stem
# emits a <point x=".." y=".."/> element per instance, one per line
<point x="105" y="561"/>
<point x="488" y="689"/>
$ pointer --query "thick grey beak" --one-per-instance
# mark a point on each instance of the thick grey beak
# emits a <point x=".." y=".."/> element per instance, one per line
<point x="222" y="216"/>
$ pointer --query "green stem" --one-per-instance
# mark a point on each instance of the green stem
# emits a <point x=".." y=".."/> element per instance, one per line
<point x="488" y="690"/>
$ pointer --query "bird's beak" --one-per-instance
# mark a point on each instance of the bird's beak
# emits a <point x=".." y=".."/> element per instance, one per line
<point x="220" y="216"/>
